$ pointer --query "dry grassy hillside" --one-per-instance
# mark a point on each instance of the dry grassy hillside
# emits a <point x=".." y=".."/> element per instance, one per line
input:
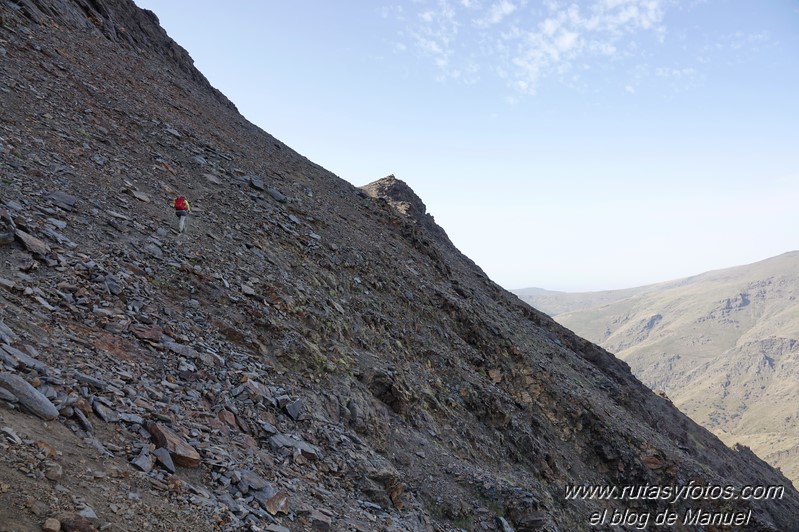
<point x="723" y="345"/>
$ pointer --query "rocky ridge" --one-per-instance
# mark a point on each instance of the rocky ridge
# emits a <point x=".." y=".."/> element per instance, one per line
<point x="308" y="355"/>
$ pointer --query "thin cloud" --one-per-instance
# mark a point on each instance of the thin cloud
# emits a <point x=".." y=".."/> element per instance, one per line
<point x="740" y="41"/>
<point x="524" y="42"/>
<point x="569" y="34"/>
<point x="499" y="11"/>
<point x="679" y="79"/>
<point x="675" y="73"/>
<point x="436" y="33"/>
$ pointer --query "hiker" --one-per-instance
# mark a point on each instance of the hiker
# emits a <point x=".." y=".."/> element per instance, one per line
<point x="182" y="209"/>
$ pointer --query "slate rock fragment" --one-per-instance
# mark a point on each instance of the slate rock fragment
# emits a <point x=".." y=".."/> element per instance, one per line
<point x="182" y="453"/>
<point x="29" y="398"/>
<point x="32" y="244"/>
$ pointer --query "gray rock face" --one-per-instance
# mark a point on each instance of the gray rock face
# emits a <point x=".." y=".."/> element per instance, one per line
<point x="163" y="458"/>
<point x="63" y="200"/>
<point x="6" y="333"/>
<point x="29" y="398"/>
<point x="294" y="409"/>
<point x="22" y="359"/>
<point x="32" y="244"/>
<point x="6" y="236"/>
<point x="256" y="182"/>
<point x="249" y="480"/>
<point x="144" y="461"/>
<point x="8" y="396"/>
<point x="277" y="195"/>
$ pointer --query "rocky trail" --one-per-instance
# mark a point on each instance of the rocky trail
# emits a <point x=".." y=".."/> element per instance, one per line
<point x="306" y="356"/>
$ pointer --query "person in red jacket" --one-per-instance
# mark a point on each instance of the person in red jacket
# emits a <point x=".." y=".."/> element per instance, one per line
<point x="182" y="209"/>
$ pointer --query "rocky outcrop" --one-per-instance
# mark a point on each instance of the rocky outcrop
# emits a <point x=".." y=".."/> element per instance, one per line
<point x="396" y="193"/>
<point x="303" y="356"/>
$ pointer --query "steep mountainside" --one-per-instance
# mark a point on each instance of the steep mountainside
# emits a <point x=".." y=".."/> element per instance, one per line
<point x="306" y="355"/>
<point x="723" y="345"/>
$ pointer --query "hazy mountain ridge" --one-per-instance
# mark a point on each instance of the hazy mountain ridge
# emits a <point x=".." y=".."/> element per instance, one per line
<point x="556" y="302"/>
<point x="307" y="355"/>
<point x="723" y="345"/>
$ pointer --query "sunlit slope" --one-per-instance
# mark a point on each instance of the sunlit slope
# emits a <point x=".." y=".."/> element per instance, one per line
<point x="723" y="345"/>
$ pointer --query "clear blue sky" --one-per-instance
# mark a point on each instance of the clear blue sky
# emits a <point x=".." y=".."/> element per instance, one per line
<point x="579" y="145"/>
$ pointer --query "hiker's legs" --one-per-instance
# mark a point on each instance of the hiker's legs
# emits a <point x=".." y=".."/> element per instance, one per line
<point x="182" y="224"/>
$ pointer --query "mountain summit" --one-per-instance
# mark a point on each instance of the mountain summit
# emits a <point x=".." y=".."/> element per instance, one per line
<point x="306" y="355"/>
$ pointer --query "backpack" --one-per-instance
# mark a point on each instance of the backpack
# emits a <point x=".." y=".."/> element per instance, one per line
<point x="180" y="203"/>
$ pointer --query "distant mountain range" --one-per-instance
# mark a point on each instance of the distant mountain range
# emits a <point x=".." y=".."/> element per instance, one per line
<point x="723" y="345"/>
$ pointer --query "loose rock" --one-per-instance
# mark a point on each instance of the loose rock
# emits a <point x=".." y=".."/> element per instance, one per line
<point x="182" y="453"/>
<point x="32" y="244"/>
<point x="29" y="397"/>
<point x="51" y="525"/>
